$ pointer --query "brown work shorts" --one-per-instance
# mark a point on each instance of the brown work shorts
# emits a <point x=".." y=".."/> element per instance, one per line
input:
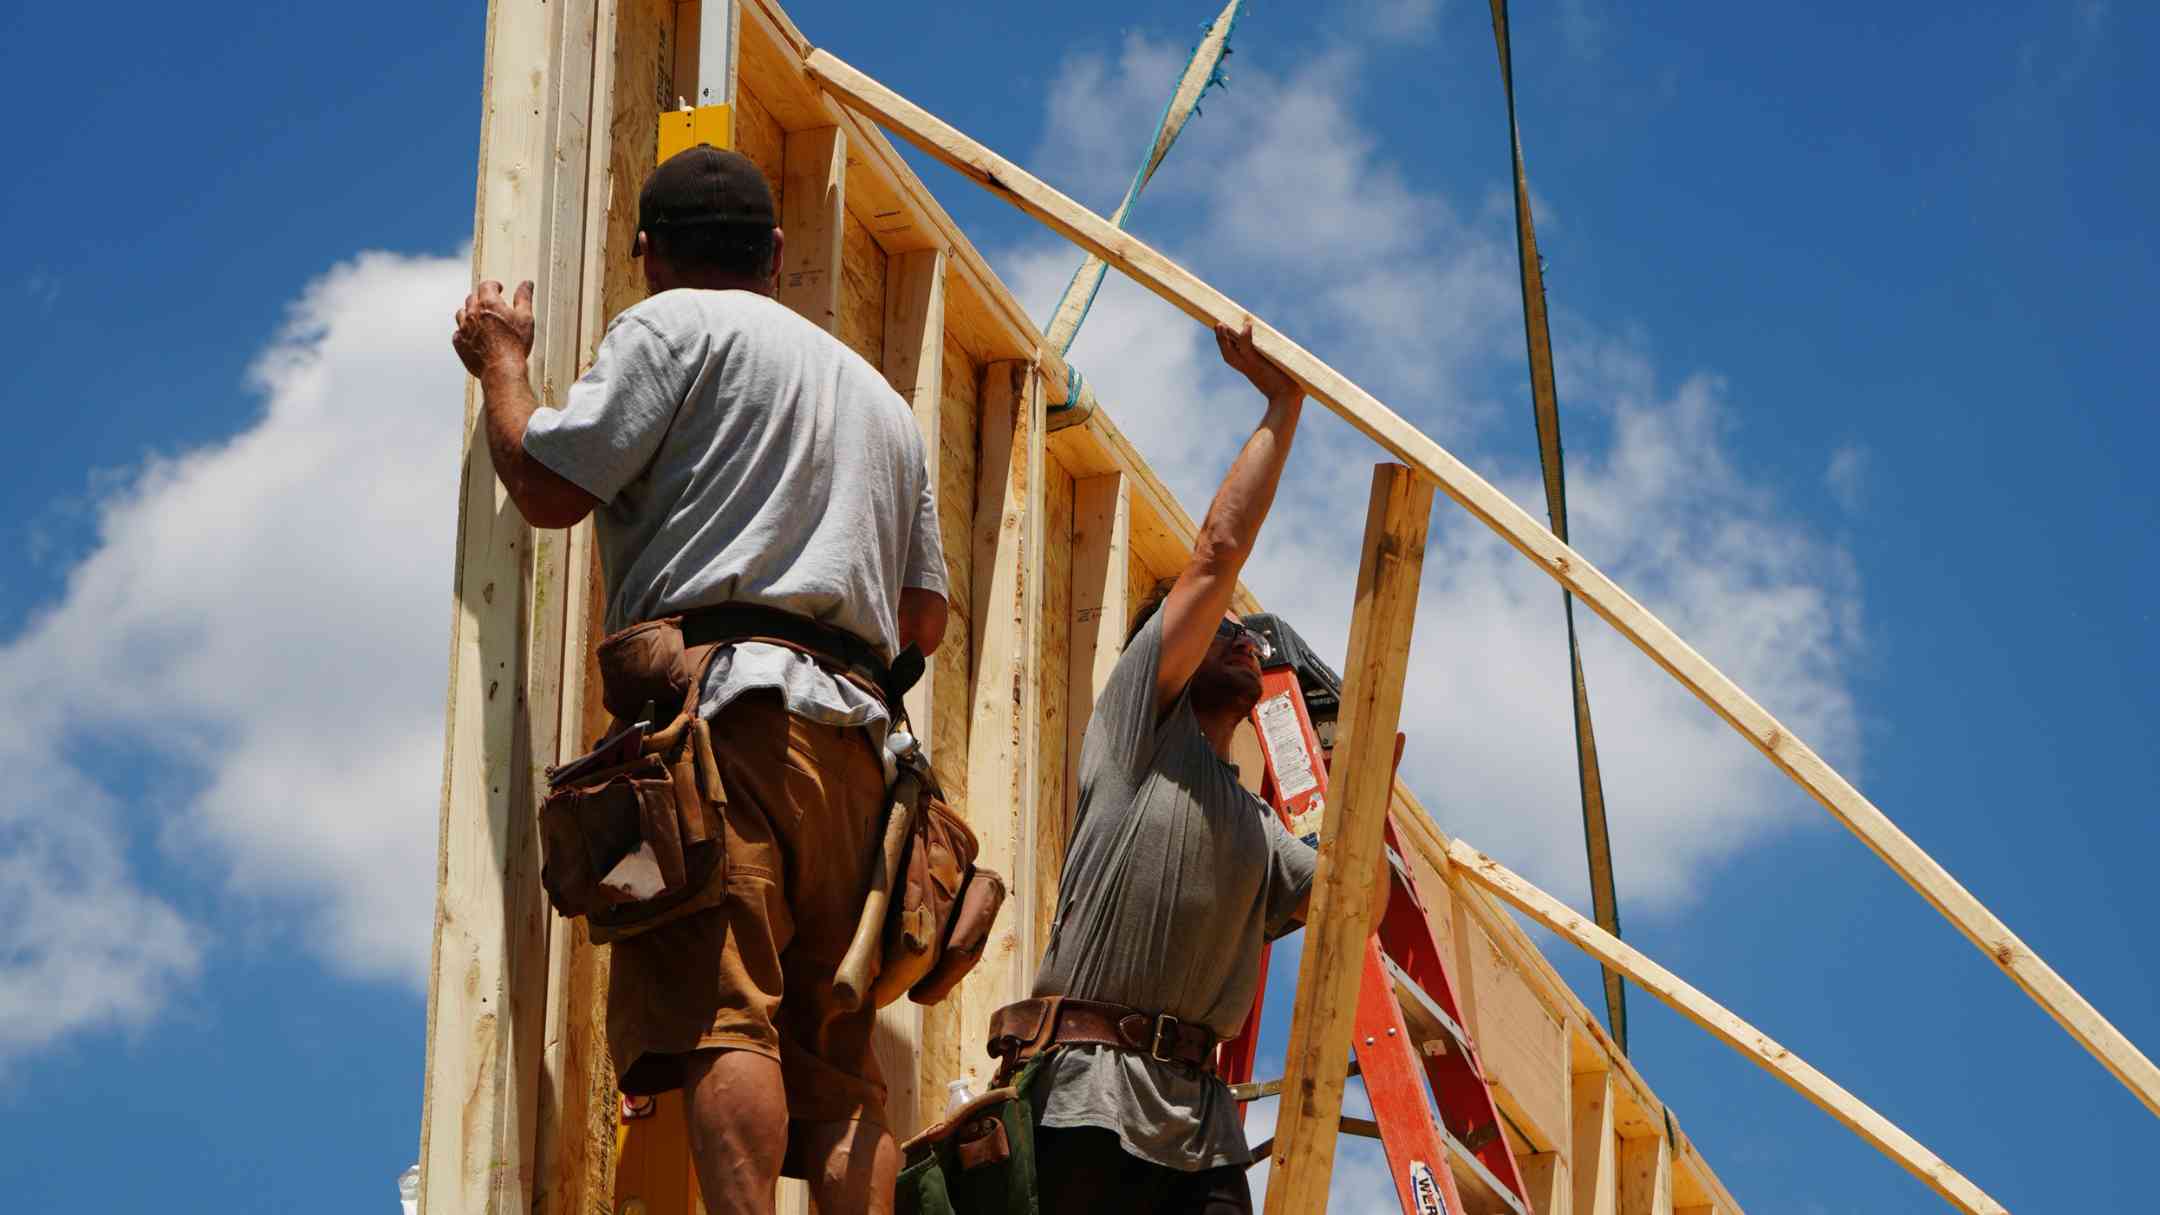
<point x="755" y="971"/>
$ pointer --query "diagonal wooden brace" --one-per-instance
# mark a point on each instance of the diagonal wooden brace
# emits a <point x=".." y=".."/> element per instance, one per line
<point x="1352" y="836"/>
<point x="1532" y="539"/>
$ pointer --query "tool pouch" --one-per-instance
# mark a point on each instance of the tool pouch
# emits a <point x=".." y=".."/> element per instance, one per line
<point x="979" y="1161"/>
<point x="937" y="871"/>
<point x="630" y="832"/>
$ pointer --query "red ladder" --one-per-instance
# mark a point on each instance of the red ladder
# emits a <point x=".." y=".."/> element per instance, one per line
<point x="1446" y="1153"/>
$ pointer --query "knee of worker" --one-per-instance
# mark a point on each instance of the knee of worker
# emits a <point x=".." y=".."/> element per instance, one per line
<point x="841" y="1155"/>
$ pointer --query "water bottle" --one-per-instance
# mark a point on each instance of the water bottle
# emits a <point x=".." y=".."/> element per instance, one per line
<point x="408" y="1190"/>
<point x="957" y="1094"/>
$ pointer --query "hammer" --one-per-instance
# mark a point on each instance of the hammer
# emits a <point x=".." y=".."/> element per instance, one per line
<point x="858" y="969"/>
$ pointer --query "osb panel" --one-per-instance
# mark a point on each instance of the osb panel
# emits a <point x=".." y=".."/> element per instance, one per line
<point x="862" y="291"/>
<point x="958" y="422"/>
<point x="759" y="137"/>
<point x="1053" y="678"/>
<point x="644" y="76"/>
<point x="1522" y="1046"/>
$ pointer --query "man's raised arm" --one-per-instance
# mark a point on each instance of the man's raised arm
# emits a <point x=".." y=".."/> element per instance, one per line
<point x="1205" y="587"/>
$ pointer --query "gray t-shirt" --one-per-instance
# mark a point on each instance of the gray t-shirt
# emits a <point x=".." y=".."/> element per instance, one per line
<point x="1176" y="879"/>
<point x="741" y="454"/>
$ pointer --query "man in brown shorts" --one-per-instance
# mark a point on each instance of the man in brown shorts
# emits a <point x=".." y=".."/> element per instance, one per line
<point x="743" y="465"/>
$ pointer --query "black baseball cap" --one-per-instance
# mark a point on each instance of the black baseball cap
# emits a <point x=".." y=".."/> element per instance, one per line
<point x="704" y="186"/>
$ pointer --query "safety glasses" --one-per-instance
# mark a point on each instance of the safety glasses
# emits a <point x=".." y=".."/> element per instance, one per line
<point x="1231" y="630"/>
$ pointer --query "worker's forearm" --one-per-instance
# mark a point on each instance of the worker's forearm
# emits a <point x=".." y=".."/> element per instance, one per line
<point x="1241" y="504"/>
<point x="507" y="405"/>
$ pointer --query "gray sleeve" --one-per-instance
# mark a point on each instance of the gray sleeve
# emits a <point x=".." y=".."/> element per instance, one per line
<point x="1123" y="732"/>
<point x="925" y="568"/>
<point x="1291" y="862"/>
<point x="607" y="432"/>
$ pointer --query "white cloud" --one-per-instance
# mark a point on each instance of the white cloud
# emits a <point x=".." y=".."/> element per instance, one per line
<point x="257" y="637"/>
<point x="1398" y="18"/>
<point x="1299" y="211"/>
<point x="1846" y="477"/>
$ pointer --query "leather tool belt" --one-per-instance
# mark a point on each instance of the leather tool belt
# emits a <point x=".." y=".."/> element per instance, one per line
<point x="1019" y="1032"/>
<point x="837" y="650"/>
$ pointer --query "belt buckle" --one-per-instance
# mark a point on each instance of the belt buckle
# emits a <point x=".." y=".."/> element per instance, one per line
<point x="1164" y="1024"/>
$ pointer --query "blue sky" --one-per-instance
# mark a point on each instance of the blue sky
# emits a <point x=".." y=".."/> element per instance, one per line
<point x="1850" y="311"/>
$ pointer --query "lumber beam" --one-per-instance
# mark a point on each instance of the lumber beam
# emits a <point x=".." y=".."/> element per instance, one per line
<point x="1531" y="538"/>
<point x="1545" y="1180"/>
<point x="813" y="214"/>
<point x="898" y="209"/>
<point x="488" y="991"/>
<point x="1102" y="566"/>
<point x="1002" y="750"/>
<point x="915" y="367"/>
<point x="1855" y="1114"/>
<point x="1646" y="1176"/>
<point x="1352" y="837"/>
<point x="1592" y="1162"/>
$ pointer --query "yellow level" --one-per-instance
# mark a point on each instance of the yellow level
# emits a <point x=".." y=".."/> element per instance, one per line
<point x="686" y="128"/>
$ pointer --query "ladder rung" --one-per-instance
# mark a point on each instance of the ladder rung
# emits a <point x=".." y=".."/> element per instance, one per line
<point x="1429" y="1023"/>
<point x="1270" y="1088"/>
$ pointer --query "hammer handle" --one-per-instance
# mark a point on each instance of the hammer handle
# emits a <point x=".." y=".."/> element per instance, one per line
<point x="858" y="969"/>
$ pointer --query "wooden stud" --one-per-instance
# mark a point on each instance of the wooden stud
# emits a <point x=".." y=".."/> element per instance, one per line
<point x="1646" y="1176"/>
<point x="1002" y="751"/>
<point x="1102" y="540"/>
<point x="813" y="213"/>
<point x="1591" y="1162"/>
<point x="488" y="994"/>
<point x="914" y="360"/>
<point x="1723" y="1025"/>
<point x="1530" y="537"/>
<point x="1351" y="841"/>
<point x="894" y="204"/>
<point x="1545" y="1177"/>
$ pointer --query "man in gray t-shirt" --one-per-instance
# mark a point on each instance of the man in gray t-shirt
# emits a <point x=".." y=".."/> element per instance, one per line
<point x="1177" y="876"/>
<point x="733" y="453"/>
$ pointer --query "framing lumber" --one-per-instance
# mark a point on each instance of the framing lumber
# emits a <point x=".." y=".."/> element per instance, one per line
<point x="1520" y="529"/>
<point x="1545" y="1178"/>
<point x="578" y="1102"/>
<point x="915" y="367"/>
<point x="490" y="970"/>
<point x="914" y="363"/>
<point x="1594" y="1169"/>
<point x="1646" y="1176"/>
<point x="1102" y="539"/>
<point x="1002" y="737"/>
<point x="1352" y="840"/>
<point x="1855" y="1114"/>
<point x="813" y="215"/>
<point x="892" y="201"/>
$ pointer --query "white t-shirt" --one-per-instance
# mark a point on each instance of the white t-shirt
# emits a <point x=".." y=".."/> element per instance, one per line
<point x="741" y="454"/>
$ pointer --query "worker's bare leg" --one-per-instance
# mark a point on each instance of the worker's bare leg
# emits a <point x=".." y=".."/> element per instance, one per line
<point x="738" y="1129"/>
<point x="852" y="1166"/>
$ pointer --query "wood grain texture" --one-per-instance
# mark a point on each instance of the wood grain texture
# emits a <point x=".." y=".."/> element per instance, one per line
<point x="813" y="211"/>
<point x="759" y="137"/>
<point x="1101" y="575"/>
<point x="1593" y="1157"/>
<point x="1056" y="768"/>
<point x="1351" y="841"/>
<point x="1003" y="741"/>
<point x="1759" y="1047"/>
<point x="488" y="994"/>
<point x="1646" y="1176"/>
<point x="1545" y="1178"/>
<point x="863" y="274"/>
<point x="891" y="200"/>
<point x="1535" y="542"/>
